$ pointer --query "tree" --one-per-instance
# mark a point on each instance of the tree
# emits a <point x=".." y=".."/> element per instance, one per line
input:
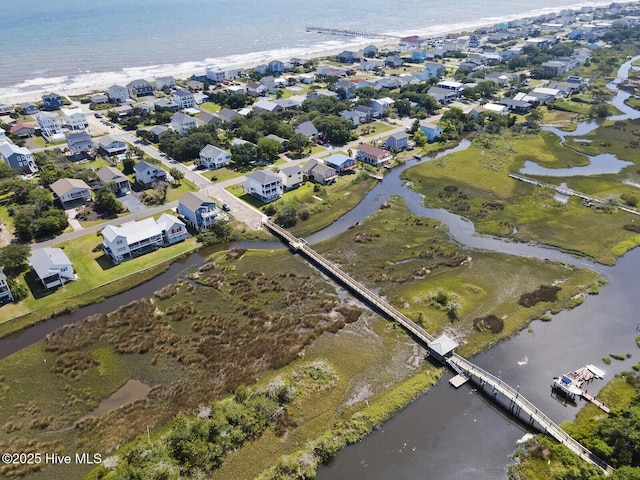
<point x="335" y="129"/>
<point x="177" y="175"/>
<point x="13" y="257"/>
<point x="127" y="164"/>
<point x="243" y="154"/>
<point x="298" y="144"/>
<point x="286" y="216"/>
<point x="107" y="202"/>
<point x="269" y="149"/>
<point x="420" y="138"/>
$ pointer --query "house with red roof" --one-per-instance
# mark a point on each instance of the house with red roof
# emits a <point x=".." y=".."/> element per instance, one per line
<point x="372" y="155"/>
<point x="23" y="130"/>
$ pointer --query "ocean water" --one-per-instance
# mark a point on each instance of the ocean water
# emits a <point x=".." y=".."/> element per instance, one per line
<point x="71" y="44"/>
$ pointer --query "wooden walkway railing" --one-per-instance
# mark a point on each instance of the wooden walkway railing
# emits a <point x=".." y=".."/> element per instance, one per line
<point x="519" y="404"/>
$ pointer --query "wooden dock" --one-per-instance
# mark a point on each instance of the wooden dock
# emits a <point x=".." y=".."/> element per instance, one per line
<point x="518" y="404"/>
<point x="351" y="33"/>
<point x="590" y="398"/>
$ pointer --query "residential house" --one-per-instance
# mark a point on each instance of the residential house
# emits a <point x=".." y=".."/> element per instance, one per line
<point x="381" y="104"/>
<point x="411" y="42"/>
<point x="224" y="115"/>
<point x="308" y="129"/>
<point x="52" y="266"/>
<point x="215" y="74"/>
<point x="256" y="89"/>
<point x="419" y="56"/>
<point x="184" y="98"/>
<point x="341" y="163"/>
<point x="276" y="66"/>
<point x="501" y="78"/>
<point x="140" y="88"/>
<point x="370" y="114"/>
<point x="74" y="118"/>
<point x="347" y="56"/>
<point x="496" y="108"/>
<point x="51" y="101"/>
<point x="433" y="69"/>
<point x="319" y="172"/>
<point x="372" y="155"/>
<point x="391" y="83"/>
<point x="213" y="157"/>
<point x="118" y="93"/>
<point x="165" y="82"/>
<point x="265" y="185"/>
<point x="291" y="177"/>
<point x="516" y="106"/>
<point x="393" y="61"/>
<point x="115" y="179"/>
<point x="148" y="173"/>
<point x="355" y="117"/>
<point x="307" y="78"/>
<point x="5" y="108"/>
<point x="182" y="123"/>
<point x="348" y="87"/>
<point x="80" y="143"/>
<point x="237" y="89"/>
<point x="195" y="86"/>
<point x="397" y="141"/>
<point x="109" y="146"/>
<point x="29" y="108"/>
<point x="5" y="291"/>
<point x="71" y="192"/>
<point x="443" y="95"/>
<point x="452" y="85"/>
<point x="165" y="105"/>
<point x="263" y="105"/>
<point x="284" y="143"/>
<point x="269" y="81"/>
<point x="49" y="123"/>
<point x="98" y="98"/>
<point x="157" y="131"/>
<point x="432" y="131"/>
<point x="20" y="159"/>
<point x="22" y="130"/>
<point x="370" y="51"/>
<point x="173" y="230"/>
<point x="131" y="239"/>
<point x="198" y="210"/>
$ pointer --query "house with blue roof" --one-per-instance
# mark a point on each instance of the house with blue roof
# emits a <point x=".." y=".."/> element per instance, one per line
<point x="341" y="163"/>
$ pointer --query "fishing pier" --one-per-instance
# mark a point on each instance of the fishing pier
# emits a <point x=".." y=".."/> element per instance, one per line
<point x="442" y="348"/>
<point x="351" y="33"/>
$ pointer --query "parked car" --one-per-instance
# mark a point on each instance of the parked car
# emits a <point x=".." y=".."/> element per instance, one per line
<point x="226" y="207"/>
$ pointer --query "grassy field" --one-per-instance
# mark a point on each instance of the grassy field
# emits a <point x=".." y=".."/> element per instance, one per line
<point x="210" y="107"/>
<point x="369" y="129"/>
<point x="475" y="184"/>
<point x="221" y="174"/>
<point x="620" y="138"/>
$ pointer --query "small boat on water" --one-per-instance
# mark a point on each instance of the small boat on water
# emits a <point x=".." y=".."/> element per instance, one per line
<point x="570" y="384"/>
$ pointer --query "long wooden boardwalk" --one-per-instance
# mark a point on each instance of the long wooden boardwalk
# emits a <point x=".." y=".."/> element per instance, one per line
<point x="351" y="33"/>
<point x="518" y="404"/>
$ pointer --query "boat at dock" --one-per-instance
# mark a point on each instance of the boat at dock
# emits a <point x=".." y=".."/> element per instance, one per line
<point x="571" y="385"/>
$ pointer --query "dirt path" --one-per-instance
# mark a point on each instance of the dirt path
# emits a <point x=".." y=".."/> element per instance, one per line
<point x="5" y="235"/>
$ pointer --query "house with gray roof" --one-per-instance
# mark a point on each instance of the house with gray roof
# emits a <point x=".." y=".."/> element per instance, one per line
<point x="165" y="82"/>
<point x="71" y="192"/>
<point x="52" y="266"/>
<point x="225" y="115"/>
<point x="114" y="178"/>
<point x="184" y="98"/>
<point x="29" y="108"/>
<point x="158" y="131"/>
<point x="213" y="157"/>
<point x="291" y="177"/>
<point x="399" y="141"/>
<point x="140" y="88"/>
<point x="264" y="185"/>
<point x="198" y="210"/>
<point x="131" y="239"/>
<point x="182" y="123"/>
<point x="5" y="291"/>
<point x="308" y="129"/>
<point x="110" y="146"/>
<point x="118" y="93"/>
<point x="166" y="105"/>
<point x="20" y="159"/>
<point x="148" y="173"/>
<point x="80" y="143"/>
<point x="319" y="172"/>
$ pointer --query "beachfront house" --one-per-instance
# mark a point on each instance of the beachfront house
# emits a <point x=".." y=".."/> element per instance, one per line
<point x="184" y="98"/>
<point x="148" y="173"/>
<point x="165" y="82"/>
<point x="29" y="108"/>
<point x="80" y="144"/>
<point x="215" y="74"/>
<point x="51" y="101"/>
<point x="276" y="66"/>
<point x="20" y="159"/>
<point x="341" y="163"/>
<point x="140" y="88"/>
<point x="49" y="123"/>
<point x="5" y="108"/>
<point x="52" y="266"/>
<point x="264" y="185"/>
<point x="182" y="123"/>
<point x="431" y="130"/>
<point x="98" y="98"/>
<point x="370" y="51"/>
<point x="131" y="239"/>
<point x="291" y="177"/>
<point x="5" y="291"/>
<point x="71" y="192"/>
<point x="198" y="210"/>
<point x="398" y="141"/>
<point x="110" y="147"/>
<point x="213" y="157"/>
<point x="118" y="93"/>
<point x="74" y="118"/>
<point x="319" y="172"/>
<point x="114" y="179"/>
<point x="372" y="155"/>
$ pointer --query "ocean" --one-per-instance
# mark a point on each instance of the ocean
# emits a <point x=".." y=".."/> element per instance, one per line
<point x="69" y="45"/>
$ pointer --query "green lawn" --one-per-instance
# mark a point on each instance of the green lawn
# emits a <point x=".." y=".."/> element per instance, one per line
<point x="375" y="128"/>
<point x="210" y="107"/>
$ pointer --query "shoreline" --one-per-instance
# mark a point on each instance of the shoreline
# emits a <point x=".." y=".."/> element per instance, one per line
<point x="31" y="90"/>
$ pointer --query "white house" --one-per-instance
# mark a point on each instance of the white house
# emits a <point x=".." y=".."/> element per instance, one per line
<point x="182" y="123"/>
<point x="267" y="106"/>
<point x="49" y="123"/>
<point x="198" y="210"/>
<point x="118" y="93"/>
<point x="148" y="173"/>
<point x="184" y="98"/>
<point x="213" y="157"/>
<point x="256" y="89"/>
<point x="381" y="104"/>
<point x="266" y="186"/>
<point x="5" y="291"/>
<point x="165" y="82"/>
<point x="52" y="266"/>
<point x="20" y="159"/>
<point x="74" y="118"/>
<point x="291" y="177"/>
<point x="110" y="146"/>
<point x="71" y="191"/>
<point x="131" y="239"/>
<point x="173" y="230"/>
<point x="307" y="78"/>
<point x="79" y="142"/>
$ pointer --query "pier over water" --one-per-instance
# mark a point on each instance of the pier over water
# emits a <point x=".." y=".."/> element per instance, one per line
<point x="495" y="388"/>
<point x="351" y="33"/>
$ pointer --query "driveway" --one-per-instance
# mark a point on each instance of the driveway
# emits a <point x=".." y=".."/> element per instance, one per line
<point x="131" y="202"/>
